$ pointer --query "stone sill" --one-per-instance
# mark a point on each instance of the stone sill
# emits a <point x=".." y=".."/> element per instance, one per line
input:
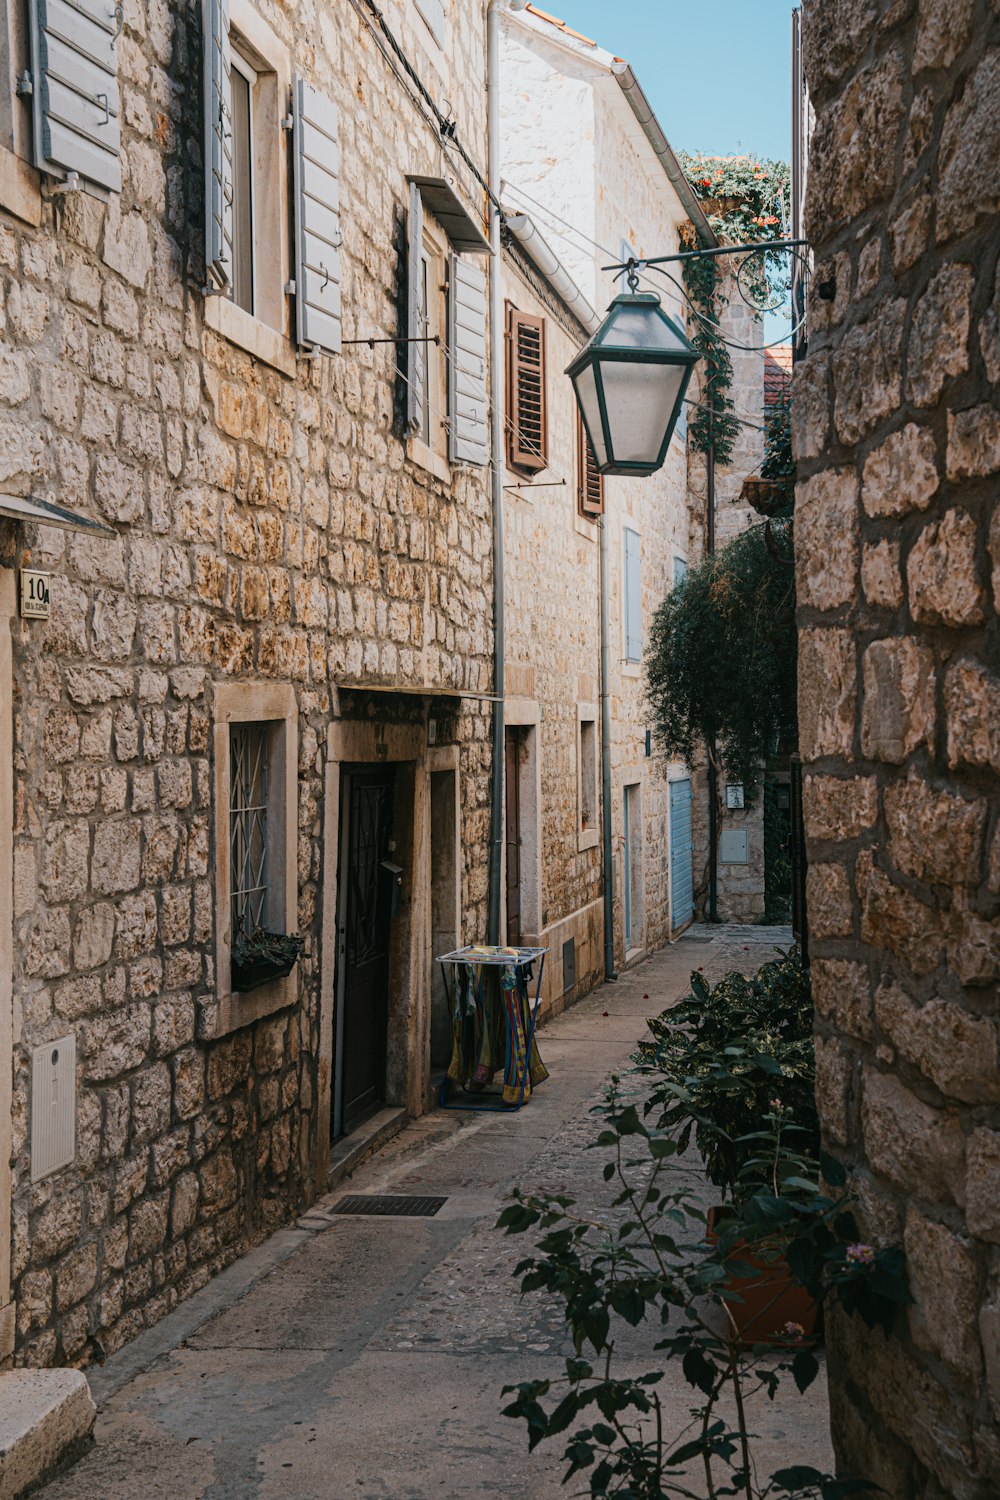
<point x="424" y="457"/>
<point x="249" y="333"/>
<point x="588" y="838"/>
<point x="20" y="188"/>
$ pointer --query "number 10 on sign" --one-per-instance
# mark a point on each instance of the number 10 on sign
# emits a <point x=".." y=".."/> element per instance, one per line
<point x="34" y="594"/>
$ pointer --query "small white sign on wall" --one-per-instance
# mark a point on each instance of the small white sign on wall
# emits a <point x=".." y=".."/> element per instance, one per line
<point x="53" y="1106"/>
<point x="734" y="795"/>
<point x="34" y="594"/>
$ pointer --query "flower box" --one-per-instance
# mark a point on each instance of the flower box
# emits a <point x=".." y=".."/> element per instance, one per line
<point x="263" y="958"/>
<point x="768" y="496"/>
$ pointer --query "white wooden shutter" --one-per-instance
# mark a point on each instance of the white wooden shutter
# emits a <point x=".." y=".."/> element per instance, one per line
<point x="216" y="68"/>
<point x="316" y="144"/>
<point x="467" y="439"/>
<point x="75" y="90"/>
<point x="416" y="321"/>
<point x="633" y="597"/>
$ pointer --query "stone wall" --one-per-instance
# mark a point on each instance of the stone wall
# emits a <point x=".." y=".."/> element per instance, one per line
<point x="897" y="433"/>
<point x="268" y="527"/>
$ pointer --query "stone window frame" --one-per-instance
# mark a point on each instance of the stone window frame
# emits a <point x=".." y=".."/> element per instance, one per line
<point x="266" y="333"/>
<point x="271" y="703"/>
<point x="587" y="837"/>
<point x="20" y="181"/>
<point x="631" y="666"/>
<point x="8" y="619"/>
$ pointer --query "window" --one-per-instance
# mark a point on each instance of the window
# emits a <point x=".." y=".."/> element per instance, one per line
<point x="248" y="830"/>
<point x="680" y="570"/>
<point x="256" y="823"/>
<point x="632" y="596"/>
<point x="587" y="781"/>
<point x="527" y="415"/>
<point x="445" y="348"/>
<point x="242" y="84"/>
<point x="589" y="480"/>
<point x="432" y="293"/>
<point x="433" y="13"/>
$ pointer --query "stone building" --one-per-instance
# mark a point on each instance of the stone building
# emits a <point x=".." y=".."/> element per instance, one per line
<point x="897" y="432"/>
<point x="589" y="179"/>
<point x="258" y="693"/>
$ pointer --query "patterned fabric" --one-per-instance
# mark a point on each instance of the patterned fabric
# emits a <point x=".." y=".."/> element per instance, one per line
<point x="491" y="1018"/>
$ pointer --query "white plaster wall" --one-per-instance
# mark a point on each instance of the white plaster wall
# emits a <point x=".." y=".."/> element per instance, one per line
<point x="571" y="141"/>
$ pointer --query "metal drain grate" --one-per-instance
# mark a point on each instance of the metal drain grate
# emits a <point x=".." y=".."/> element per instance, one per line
<point x="383" y="1204"/>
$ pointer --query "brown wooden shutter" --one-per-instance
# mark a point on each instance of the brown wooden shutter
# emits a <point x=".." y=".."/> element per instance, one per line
<point x="527" y="416"/>
<point x="589" y="480"/>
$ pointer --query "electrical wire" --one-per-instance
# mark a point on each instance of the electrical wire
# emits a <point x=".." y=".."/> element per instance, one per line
<point x="446" y="127"/>
<point x="643" y="272"/>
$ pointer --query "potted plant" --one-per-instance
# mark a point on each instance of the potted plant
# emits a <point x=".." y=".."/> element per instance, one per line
<point x="733" y="1066"/>
<point x="261" y="957"/>
<point x="642" y="1258"/>
<point x="772" y="492"/>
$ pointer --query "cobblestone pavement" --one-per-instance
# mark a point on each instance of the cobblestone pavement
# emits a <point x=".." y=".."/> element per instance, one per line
<point x="358" y="1357"/>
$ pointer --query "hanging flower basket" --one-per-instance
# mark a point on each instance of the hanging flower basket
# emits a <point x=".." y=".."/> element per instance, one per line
<point x="262" y="958"/>
<point x="768" y="496"/>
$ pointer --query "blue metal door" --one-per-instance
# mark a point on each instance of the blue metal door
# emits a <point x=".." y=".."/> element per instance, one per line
<point x="681" y="860"/>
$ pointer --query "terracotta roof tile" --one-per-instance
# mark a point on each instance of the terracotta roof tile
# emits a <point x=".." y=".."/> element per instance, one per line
<point x="777" y="373"/>
<point x="562" y="26"/>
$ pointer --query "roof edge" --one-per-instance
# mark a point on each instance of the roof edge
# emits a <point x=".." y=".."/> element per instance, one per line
<point x="653" y="131"/>
<point x="544" y="258"/>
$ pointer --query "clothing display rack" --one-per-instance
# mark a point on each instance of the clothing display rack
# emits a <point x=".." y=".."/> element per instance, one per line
<point x="493" y="1018"/>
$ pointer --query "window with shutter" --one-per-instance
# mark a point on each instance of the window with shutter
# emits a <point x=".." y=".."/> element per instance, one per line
<point x="632" y="603"/>
<point x="433" y="13"/>
<point x="527" y="415"/>
<point x="74" y="95"/>
<point x="589" y="480"/>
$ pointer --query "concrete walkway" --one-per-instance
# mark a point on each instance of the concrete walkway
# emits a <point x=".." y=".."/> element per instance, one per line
<point x="364" y="1357"/>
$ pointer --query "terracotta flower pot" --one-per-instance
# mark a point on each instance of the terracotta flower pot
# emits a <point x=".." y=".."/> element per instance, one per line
<point x="764" y="1305"/>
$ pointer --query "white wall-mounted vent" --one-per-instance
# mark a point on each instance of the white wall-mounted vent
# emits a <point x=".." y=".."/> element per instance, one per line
<point x="53" y="1106"/>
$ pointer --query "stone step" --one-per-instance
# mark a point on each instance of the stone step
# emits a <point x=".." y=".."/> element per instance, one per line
<point x="46" y="1419"/>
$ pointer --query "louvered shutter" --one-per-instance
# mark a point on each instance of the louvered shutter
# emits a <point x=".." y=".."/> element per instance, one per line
<point x="416" y="321"/>
<point x="317" y="218"/>
<point x="216" y="67"/>
<point x="527" y="430"/>
<point x="75" y="90"/>
<point x="589" y="479"/>
<point x="633" y="597"/>
<point x="467" y="439"/>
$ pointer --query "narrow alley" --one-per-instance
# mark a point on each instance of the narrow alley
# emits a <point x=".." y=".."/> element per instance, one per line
<point x="365" y="1356"/>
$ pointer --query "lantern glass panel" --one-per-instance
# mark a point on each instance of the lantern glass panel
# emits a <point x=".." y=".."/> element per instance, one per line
<point x="640" y="327"/>
<point x="586" y="394"/>
<point x="640" y="402"/>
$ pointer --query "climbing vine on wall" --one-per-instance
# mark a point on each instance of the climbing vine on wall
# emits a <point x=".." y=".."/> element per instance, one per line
<point x="744" y="199"/>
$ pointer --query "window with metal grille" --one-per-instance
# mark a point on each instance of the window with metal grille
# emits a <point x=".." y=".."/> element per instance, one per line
<point x="248" y="830"/>
<point x="527" y="414"/>
<point x="589" y="479"/>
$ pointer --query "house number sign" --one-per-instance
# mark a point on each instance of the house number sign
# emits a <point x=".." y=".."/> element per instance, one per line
<point x="34" y="594"/>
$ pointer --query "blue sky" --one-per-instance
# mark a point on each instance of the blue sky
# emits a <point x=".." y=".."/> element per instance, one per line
<point x="717" y="72"/>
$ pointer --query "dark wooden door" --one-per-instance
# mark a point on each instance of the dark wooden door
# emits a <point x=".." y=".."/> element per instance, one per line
<point x="368" y="808"/>
<point x="512" y="776"/>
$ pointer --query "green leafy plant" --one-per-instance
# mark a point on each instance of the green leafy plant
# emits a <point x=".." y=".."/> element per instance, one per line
<point x="647" y="1260"/>
<point x="720" y="1059"/>
<point x="267" y="947"/>
<point x="721" y="658"/>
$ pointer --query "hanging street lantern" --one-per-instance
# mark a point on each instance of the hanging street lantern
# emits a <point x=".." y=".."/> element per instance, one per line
<point x="630" y="382"/>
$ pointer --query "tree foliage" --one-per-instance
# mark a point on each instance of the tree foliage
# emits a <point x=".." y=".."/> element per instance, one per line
<point x="720" y="665"/>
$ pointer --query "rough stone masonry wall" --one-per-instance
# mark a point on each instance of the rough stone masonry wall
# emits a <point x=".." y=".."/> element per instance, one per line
<point x="898" y="541"/>
<point x="266" y="527"/>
